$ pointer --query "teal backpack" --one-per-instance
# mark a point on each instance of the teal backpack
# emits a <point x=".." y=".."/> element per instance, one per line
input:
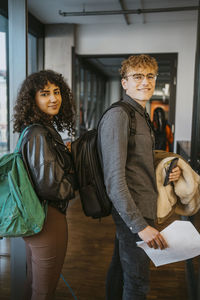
<point x="21" y="213"/>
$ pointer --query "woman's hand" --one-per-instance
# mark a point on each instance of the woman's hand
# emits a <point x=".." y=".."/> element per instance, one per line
<point x="175" y="174"/>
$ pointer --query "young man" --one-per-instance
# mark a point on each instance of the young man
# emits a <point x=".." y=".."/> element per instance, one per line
<point x="129" y="176"/>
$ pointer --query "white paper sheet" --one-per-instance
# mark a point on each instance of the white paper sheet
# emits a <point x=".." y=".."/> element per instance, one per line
<point x="183" y="240"/>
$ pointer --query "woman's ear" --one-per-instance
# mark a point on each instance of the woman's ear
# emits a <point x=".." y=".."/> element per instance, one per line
<point x="124" y="83"/>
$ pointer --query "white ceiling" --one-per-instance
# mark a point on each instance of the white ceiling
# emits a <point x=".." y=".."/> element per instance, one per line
<point x="47" y="11"/>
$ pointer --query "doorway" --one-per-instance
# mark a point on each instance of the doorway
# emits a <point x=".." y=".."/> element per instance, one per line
<point x="96" y="84"/>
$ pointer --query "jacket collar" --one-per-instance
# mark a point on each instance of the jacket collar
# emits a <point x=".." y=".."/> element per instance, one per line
<point x="133" y="103"/>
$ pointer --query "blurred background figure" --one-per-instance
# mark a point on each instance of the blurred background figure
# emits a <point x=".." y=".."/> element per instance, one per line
<point x="162" y="131"/>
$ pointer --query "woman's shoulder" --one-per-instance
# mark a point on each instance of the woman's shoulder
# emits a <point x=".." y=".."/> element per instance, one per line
<point x="33" y="134"/>
<point x="36" y="129"/>
<point x="41" y="132"/>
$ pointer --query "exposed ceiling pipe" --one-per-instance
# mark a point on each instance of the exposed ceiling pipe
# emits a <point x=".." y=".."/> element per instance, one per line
<point x="142" y="6"/>
<point x="127" y="11"/>
<point x="121" y="2"/>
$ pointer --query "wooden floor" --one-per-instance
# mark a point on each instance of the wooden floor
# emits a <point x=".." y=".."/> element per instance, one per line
<point x="88" y="256"/>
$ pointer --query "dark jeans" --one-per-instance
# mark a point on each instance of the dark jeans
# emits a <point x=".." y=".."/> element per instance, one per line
<point x="128" y="274"/>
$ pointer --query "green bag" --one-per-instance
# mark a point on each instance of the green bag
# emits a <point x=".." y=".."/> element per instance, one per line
<point x="21" y="213"/>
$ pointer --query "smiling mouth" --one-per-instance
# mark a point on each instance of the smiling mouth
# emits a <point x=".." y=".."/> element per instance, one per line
<point x="53" y="106"/>
<point x="146" y="89"/>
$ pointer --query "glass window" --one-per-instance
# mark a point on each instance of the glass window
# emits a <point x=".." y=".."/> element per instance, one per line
<point x="3" y="86"/>
<point x="90" y="96"/>
<point x="32" y="54"/>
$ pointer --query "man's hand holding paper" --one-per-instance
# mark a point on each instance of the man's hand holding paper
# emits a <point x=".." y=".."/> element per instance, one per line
<point x="183" y="243"/>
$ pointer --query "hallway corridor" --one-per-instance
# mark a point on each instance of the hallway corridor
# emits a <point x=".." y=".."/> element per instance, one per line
<point x="88" y="256"/>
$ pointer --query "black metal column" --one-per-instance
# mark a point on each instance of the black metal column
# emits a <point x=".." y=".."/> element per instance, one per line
<point x="195" y="140"/>
<point x="193" y="282"/>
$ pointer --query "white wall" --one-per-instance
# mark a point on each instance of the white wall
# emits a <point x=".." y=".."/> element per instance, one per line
<point x="59" y="40"/>
<point x="179" y="37"/>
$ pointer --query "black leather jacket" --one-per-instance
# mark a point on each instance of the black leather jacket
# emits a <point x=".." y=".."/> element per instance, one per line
<point x="49" y="165"/>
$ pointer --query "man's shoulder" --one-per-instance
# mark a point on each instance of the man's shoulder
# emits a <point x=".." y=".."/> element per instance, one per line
<point x="116" y="113"/>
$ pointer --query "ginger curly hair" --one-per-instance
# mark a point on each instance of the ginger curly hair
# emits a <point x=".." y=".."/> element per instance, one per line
<point x="138" y="61"/>
<point x="26" y="112"/>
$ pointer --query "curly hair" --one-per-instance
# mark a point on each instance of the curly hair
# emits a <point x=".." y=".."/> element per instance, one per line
<point x="27" y="112"/>
<point x="138" y="61"/>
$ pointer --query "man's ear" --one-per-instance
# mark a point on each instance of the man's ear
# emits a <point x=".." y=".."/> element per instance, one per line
<point x="124" y="83"/>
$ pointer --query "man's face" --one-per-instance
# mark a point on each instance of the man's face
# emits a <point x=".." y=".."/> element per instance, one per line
<point x="139" y="83"/>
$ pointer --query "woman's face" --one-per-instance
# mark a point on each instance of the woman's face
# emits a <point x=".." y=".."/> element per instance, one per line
<point x="49" y="99"/>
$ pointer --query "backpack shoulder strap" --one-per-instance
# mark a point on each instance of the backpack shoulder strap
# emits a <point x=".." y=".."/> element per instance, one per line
<point x="20" y="139"/>
<point x="130" y="112"/>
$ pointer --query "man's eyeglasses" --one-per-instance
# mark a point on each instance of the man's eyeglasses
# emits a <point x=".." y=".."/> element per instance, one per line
<point x="140" y="77"/>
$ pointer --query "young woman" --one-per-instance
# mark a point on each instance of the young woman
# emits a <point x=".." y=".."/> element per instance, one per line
<point x="44" y="103"/>
<point x="162" y="131"/>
